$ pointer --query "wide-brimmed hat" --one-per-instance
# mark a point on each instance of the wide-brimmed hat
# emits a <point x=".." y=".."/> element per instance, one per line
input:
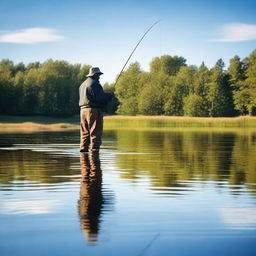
<point x="94" y="70"/>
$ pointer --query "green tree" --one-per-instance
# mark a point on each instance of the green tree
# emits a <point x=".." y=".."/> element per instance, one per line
<point x="180" y="87"/>
<point x="194" y="105"/>
<point x="7" y="94"/>
<point x="30" y="92"/>
<point x="20" y="67"/>
<point x="50" y="88"/>
<point x="36" y="64"/>
<point x="219" y="95"/>
<point x="244" y="81"/>
<point x="250" y="82"/>
<point x="152" y="96"/>
<point x="244" y="101"/>
<point x="236" y="71"/>
<point x="58" y="83"/>
<point x="83" y="72"/>
<point x="202" y="79"/>
<point x="166" y="64"/>
<point x="173" y="104"/>
<point x="128" y="89"/>
<point x="18" y="83"/>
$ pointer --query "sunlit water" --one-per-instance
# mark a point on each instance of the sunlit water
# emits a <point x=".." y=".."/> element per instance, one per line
<point x="146" y="193"/>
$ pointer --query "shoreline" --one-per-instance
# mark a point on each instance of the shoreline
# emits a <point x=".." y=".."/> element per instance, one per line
<point x="34" y="127"/>
<point x="37" y="123"/>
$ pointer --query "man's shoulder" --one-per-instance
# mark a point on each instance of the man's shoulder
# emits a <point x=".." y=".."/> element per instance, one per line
<point x="91" y="82"/>
<point x="87" y="82"/>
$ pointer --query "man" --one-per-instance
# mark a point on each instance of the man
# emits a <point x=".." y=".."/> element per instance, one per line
<point x="92" y="101"/>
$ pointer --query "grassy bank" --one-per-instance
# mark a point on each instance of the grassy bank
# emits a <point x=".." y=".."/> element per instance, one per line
<point x="178" y="122"/>
<point x="39" y="123"/>
<point x="33" y="127"/>
<point x="38" y="119"/>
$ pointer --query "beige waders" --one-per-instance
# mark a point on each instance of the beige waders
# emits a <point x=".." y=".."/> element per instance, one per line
<point x="91" y="127"/>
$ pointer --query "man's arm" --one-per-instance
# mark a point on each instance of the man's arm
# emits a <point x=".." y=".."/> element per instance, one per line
<point x="100" y="96"/>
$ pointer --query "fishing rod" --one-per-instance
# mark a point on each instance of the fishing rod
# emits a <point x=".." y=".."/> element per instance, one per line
<point x="134" y="51"/>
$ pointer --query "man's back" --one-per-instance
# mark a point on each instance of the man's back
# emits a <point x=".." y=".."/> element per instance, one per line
<point x="91" y="94"/>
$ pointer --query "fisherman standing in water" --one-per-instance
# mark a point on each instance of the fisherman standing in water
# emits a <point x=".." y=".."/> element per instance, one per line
<point x="92" y="101"/>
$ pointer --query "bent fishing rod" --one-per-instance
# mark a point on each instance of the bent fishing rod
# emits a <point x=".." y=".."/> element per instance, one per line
<point x="134" y="51"/>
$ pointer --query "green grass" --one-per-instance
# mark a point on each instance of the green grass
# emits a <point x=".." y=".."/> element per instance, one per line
<point x="163" y="122"/>
<point x="39" y="119"/>
<point x="34" y="123"/>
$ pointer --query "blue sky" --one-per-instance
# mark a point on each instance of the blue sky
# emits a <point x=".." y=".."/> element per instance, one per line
<point x="103" y="33"/>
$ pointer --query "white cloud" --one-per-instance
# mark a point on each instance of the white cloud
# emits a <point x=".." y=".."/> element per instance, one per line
<point x="237" y="32"/>
<point x="31" y="35"/>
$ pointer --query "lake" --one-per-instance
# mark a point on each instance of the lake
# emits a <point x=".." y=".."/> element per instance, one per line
<point x="148" y="192"/>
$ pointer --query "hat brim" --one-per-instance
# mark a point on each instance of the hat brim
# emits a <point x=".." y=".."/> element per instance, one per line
<point x="89" y="75"/>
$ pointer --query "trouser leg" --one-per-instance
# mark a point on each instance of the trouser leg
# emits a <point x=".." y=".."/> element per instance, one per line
<point x="84" y="130"/>
<point x="96" y="129"/>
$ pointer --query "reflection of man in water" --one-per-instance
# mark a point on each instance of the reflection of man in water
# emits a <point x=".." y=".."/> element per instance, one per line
<point x="91" y="198"/>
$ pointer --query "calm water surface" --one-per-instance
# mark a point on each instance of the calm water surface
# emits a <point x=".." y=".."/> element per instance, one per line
<point x="146" y="193"/>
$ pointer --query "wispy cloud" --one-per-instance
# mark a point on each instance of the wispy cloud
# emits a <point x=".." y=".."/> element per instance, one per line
<point x="31" y="35"/>
<point x="237" y="32"/>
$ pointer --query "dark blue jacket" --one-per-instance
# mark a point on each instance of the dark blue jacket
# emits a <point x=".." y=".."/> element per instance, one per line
<point x="91" y="94"/>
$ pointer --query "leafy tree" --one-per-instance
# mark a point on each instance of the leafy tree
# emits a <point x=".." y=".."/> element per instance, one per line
<point x="244" y="101"/>
<point x="30" y="92"/>
<point x="250" y="82"/>
<point x="50" y="88"/>
<point x="127" y="90"/>
<point x="6" y="87"/>
<point x="236" y="71"/>
<point x="20" y="67"/>
<point x="83" y="71"/>
<point x="151" y="97"/>
<point x="173" y="105"/>
<point x="186" y="78"/>
<point x="183" y="84"/>
<point x="166" y="64"/>
<point x="218" y="92"/>
<point x="202" y="79"/>
<point x="18" y="84"/>
<point x="244" y="82"/>
<point x="33" y="65"/>
<point x="194" y="105"/>
<point x="57" y="88"/>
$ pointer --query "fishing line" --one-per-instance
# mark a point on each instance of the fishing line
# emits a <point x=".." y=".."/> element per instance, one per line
<point x="134" y="50"/>
<point x="149" y="244"/>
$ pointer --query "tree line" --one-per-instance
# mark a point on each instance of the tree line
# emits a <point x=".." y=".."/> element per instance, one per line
<point x="171" y="87"/>
<point x="50" y="88"/>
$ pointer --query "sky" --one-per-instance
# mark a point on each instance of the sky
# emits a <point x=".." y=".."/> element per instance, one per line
<point x="103" y="33"/>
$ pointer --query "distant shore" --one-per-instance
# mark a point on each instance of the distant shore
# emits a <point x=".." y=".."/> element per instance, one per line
<point x="39" y="123"/>
<point x="31" y="127"/>
<point x="179" y="122"/>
